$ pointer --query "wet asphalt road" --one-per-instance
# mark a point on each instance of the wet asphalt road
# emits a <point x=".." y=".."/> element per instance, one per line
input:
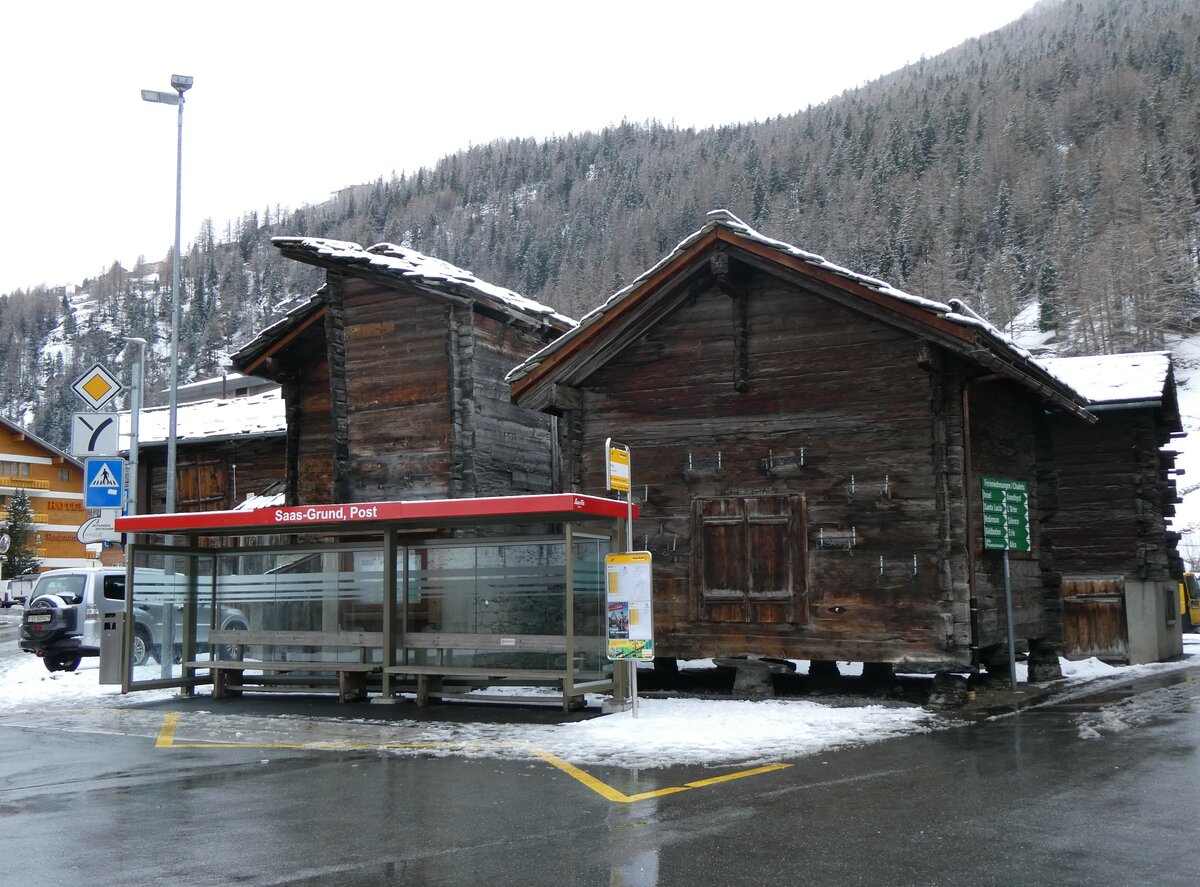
<point x="1095" y="792"/>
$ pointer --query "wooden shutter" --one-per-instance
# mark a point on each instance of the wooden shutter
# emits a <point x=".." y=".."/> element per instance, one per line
<point x="750" y="559"/>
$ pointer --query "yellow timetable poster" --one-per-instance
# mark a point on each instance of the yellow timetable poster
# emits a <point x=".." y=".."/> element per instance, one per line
<point x="630" y="611"/>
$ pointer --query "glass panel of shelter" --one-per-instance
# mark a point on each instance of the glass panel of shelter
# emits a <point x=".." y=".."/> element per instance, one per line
<point x="511" y="588"/>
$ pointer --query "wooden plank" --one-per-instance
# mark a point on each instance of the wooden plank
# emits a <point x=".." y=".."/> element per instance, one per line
<point x="516" y="643"/>
<point x="298" y="638"/>
<point x="485" y="671"/>
<point x="289" y="665"/>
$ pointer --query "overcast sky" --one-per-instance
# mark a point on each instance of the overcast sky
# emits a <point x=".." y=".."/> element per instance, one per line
<point x="295" y="100"/>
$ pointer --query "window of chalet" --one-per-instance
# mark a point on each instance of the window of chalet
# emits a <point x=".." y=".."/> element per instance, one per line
<point x="749" y="558"/>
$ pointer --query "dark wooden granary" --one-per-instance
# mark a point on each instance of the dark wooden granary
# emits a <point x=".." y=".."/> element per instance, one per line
<point x="228" y="448"/>
<point x="808" y="447"/>
<point x="1116" y="493"/>
<point x="392" y="376"/>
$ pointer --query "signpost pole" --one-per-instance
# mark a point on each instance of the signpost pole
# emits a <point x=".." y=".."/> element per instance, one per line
<point x="1008" y="616"/>
<point x="619" y="476"/>
<point x="1006" y="527"/>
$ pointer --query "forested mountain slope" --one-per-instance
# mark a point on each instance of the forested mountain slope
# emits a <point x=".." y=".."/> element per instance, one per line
<point x="1054" y="160"/>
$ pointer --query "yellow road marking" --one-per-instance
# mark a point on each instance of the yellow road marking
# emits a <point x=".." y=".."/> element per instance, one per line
<point x="166" y="739"/>
<point x="166" y="736"/>
<point x="617" y="797"/>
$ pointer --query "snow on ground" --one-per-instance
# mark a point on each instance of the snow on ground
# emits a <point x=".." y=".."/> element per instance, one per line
<point x="667" y="732"/>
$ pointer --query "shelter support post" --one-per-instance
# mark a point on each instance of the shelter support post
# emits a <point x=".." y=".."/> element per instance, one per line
<point x="389" y="612"/>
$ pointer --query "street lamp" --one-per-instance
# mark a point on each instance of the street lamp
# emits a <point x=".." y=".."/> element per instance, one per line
<point x="180" y="84"/>
<point x="135" y="410"/>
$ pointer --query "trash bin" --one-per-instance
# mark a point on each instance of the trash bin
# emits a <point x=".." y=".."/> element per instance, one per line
<point x="112" y="643"/>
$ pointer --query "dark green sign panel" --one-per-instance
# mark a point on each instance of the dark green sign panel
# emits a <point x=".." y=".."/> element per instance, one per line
<point x="1005" y="514"/>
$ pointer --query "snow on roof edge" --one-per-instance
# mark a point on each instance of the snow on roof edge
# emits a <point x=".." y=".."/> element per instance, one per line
<point x="423" y="270"/>
<point x="955" y="310"/>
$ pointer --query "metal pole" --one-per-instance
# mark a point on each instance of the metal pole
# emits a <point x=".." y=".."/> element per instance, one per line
<point x="135" y="412"/>
<point x="174" y="372"/>
<point x="633" y="688"/>
<point x="1008" y="618"/>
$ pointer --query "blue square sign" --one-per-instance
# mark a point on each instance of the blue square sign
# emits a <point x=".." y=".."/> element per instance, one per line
<point x="103" y="483"/>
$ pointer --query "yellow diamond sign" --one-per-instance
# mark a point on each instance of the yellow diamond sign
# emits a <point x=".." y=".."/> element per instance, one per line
<point x="96" y="387"/>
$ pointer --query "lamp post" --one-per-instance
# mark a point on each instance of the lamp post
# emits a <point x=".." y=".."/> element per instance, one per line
<point x="180" y="84"/>
<point x="135" y="412"/>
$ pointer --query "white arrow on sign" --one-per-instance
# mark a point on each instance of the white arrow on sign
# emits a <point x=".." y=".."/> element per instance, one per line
<point x="94" y="434"/>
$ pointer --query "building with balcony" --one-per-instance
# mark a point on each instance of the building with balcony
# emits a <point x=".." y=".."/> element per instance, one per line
<point x="53" y="480"/>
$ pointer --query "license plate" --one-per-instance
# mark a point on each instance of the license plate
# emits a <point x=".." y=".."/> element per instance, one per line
<point x="39" y="617"/>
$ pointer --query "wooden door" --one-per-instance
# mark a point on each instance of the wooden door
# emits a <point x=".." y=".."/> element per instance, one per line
<point x="201" y="483"/>
<point x="1094" y="618"/>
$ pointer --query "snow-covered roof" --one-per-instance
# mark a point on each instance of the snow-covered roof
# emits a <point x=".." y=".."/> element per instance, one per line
<point x="1115" y="378"/>
<point x="996" y="343"/>
<point x="270" y="497"/>
<point x="211" y="420"/>
<point x="295" y="319"/>
<point x="419" y="269"/>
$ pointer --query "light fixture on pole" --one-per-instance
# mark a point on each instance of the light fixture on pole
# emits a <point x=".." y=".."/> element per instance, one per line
<point x="180" y="84"/>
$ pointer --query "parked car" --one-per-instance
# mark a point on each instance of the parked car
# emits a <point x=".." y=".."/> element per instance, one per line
<point x="16" y="590"/>
<point x="63" y="617"/>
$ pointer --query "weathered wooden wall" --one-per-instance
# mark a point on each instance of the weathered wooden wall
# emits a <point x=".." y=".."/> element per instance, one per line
<point x="514" y="449"/>
<point x="839" y="414"/>
<point x="1114" y="496"/>
<point x="397" y="380"/>
<point x="211" y="476"/>
<point x="1008" y="440"/>
<point x="407" y="399"/>
<point x="310" y="426"/>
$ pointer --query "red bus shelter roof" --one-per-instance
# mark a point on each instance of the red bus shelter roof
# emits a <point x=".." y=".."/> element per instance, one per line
<point x="368" y="517"/>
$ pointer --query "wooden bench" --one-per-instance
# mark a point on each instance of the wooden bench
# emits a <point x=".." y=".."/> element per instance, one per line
<point x="431" y="677"/>
<point x="351" y="673"/>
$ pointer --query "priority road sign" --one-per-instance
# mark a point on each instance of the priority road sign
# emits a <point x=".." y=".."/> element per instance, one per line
<point x="96" y="387"/>
<point x="103" y="483"/>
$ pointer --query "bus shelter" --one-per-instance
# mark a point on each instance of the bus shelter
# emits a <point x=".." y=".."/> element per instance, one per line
<point x="436" y="597"/>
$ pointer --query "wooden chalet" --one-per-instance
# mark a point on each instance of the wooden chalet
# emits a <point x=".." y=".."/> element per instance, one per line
<point x="1116" y="493"/>
<point x="53" y="481"/>
<point x="808" y="446"/>
<point x="227" y="448"/>
<point x="392" y="375"/>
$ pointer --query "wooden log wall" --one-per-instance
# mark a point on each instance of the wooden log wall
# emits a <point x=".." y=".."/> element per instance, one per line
<point x="515" y="449"/>
<point x="1005" y="443"/>
<point x="397" y="381"/>
<point x="1115" y="496"/>
<point x="837" y="410"/>
<point x="311" y="437"/>
<point x="214" y="476"/>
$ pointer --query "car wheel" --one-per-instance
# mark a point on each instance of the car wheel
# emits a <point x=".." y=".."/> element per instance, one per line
<point x="232" y="652"/>
<point x="142" y="651"/>
<point x="61" y="663"/>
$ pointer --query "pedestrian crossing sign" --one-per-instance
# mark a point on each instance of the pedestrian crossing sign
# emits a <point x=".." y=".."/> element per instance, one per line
<point x="103" y="483"/>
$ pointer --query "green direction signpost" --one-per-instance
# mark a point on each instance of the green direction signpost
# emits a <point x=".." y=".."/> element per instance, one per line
<point x="1006" y="528"/>
<point x="1005" y="514"/>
